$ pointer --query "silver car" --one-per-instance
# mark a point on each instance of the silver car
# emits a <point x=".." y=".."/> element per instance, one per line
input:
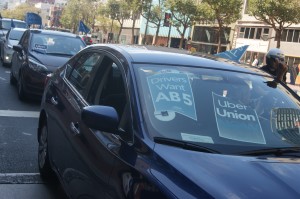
<point x="12" y="38"/>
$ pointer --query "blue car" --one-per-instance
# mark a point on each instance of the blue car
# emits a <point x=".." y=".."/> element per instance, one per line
<point x="126" y="122"/>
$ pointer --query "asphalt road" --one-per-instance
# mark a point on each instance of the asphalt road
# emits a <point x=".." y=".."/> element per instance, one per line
<point x="19" y="175"/>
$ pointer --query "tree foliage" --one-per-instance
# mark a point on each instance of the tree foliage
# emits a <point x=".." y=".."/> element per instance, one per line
<point x="20" y="11"/>
<point x="279" y="14"/>
<point x="76" y="10"/>
<point x="184" y="13"/>
<point x="118" y="10"/>
<point x="223" y="12"/>
<point x="154" y="14"/>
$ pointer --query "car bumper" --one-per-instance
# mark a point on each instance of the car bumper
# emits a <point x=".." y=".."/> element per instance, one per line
<point x="33" y="82"/>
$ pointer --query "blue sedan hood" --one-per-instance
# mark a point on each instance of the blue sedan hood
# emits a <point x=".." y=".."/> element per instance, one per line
<point x="50" y="61"/>
<point x="227" y="176"/>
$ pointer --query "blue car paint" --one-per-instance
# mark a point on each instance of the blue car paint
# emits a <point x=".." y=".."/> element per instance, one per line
<point x="172" y="171"/>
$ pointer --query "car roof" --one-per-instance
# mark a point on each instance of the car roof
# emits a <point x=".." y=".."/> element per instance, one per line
<point x="9" y="19"/>
<point x="173" y="56"/>
<point x="52" y="32"/>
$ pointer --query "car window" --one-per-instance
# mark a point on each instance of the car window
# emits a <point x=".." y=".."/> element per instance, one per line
<point x="56" y="44"/>
<point x="108" y="89"/>
<point x="6" y="24"/>
<point x="218" y="108"/>
<point x="15" y="34"/>
<point x="25" y="39"/>
<point x="82" y="71"/>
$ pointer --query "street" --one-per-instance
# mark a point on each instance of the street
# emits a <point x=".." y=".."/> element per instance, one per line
<point x="19" y="175"/>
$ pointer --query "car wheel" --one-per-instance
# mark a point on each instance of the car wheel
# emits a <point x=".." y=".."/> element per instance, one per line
<point x="21" y="92"/>
<point x="43" y="154"/>
<point x="12" y="79"/>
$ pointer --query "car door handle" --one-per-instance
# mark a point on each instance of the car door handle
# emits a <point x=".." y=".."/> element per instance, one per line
<point x="54" y="101"/>
<point x="74" y="128"/>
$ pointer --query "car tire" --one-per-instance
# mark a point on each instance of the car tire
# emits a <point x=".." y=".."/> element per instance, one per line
<point x="45" y="169"/>
<point x="21" y="92"/>
<point x="12" y="79"/>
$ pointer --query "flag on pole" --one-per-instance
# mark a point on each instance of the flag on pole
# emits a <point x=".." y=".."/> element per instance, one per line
<point x="33" y="18"/>
<point x="0" y="21"/>
<point x="12" y="24"/>
<point x="234" y="54"/>
<point x="83" y="28"/>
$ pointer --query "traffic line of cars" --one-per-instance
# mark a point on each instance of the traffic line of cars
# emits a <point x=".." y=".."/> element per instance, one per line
<point x="119" y="121"/>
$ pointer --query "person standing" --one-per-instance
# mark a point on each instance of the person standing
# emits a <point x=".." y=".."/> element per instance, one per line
<point x="275" y="66"/>
<point x="297" y="81"/>
<point x="293" y="73"/>
<point x="255" y="62"/>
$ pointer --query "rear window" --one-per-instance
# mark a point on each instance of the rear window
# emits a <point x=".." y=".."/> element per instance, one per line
<point x="6" y="24"/>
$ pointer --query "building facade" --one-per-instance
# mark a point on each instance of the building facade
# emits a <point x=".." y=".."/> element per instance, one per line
<point x="248" y="31"/>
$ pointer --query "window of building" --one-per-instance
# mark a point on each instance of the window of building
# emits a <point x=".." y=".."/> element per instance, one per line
<point x="210" y="35"/>
<point x="258" y="33"/>
<point x="254" y="33"/>
<point x="290" y="35"/>
<point x="242" y="32"/>
<point x="296" y="36"/>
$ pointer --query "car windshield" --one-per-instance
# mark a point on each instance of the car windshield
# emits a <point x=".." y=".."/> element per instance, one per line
<point x="56" y="44"/>
<point x="6" y="24"/>
<point x="227" y="111"/>
<point x="16" y="34"/>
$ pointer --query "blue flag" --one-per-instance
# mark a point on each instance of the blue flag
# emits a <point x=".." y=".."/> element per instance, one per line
<point x="12" y="24"/>
<point x="83" y="28"/>
<point x="234" y="54"/>
<point x="33" y="18"/>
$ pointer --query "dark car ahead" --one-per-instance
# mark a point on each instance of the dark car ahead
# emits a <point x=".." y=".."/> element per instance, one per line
<point x="38" y="54"/>
<point x="127" y="122"/>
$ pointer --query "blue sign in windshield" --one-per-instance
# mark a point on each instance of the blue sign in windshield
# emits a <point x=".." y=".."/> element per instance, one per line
<point x="172" y="92"/>
<point x="237" y="121"/>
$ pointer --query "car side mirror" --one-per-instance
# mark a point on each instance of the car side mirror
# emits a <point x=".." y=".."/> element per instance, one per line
<point x="18" y="48"/>
<point x="102" y="118"/>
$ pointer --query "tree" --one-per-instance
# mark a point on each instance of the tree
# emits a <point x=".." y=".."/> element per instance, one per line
<point x="135" y="9"/>
<point x="223" y="12"/>
<point x="154" y="14"/>
<point x="123" y="13"/>
<point x="279" y="14"/>
<point x="20" y="11"/>
<point x="77" y="10"/>
<point x="184" y="13"/>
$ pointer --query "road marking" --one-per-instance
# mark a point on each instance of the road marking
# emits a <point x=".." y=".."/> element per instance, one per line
<point x="2" y="78"/>
<point x="9" y="113"/>
<point x="20" y="178"/>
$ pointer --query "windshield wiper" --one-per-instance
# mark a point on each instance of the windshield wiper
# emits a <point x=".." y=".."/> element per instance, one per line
<point x="62" y="54"/>
<point x="272" y="151"/>
<point x="39" y="51"/>
<point x="183" y="144"/>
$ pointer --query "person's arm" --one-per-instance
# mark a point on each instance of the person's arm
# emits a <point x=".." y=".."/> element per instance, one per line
<point x="282" y="69"/>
